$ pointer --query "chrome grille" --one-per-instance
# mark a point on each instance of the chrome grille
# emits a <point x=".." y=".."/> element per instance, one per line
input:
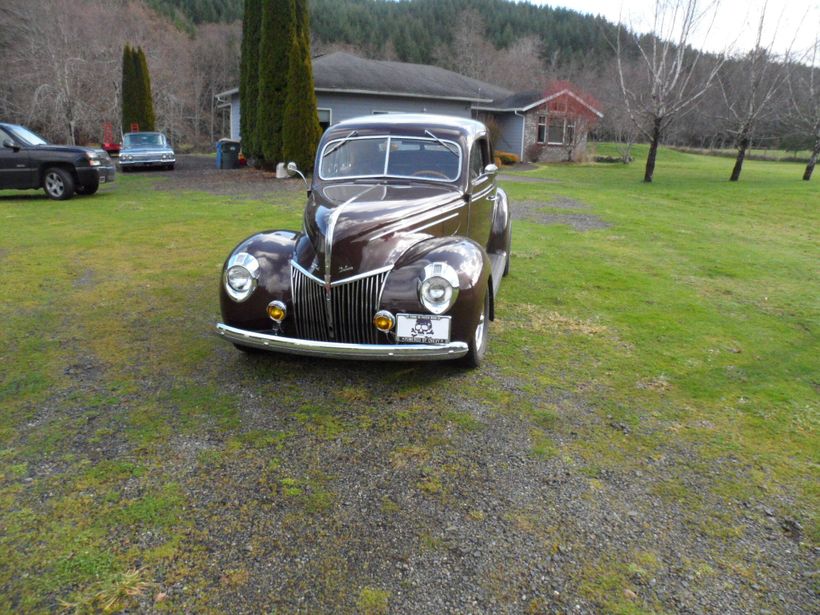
<point x="352" y="305"/>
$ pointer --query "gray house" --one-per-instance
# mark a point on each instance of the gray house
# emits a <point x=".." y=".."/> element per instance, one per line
<point x="529" y="125"/>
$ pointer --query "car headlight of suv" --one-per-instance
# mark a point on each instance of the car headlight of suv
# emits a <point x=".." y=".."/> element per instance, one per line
<point x="438" y="289"/>
<point x="93" y="159"/>
<point x="241" y="276"/>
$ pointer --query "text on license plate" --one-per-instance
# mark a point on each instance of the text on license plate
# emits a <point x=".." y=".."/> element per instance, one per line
<point x="423" y="328"/>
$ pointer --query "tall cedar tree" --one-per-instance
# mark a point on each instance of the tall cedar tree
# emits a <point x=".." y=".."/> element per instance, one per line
<point x="274" y="49"/>
<point x="249" y="78"/>
<point x="128" y="89"/>
<point x="137" y="105"/>
<point x="146" y="99"/>
<point x="300" y="129"/>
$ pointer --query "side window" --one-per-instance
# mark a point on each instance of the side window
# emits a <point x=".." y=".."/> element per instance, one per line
<point x="479" y="157"/>
<point x="3" y="135"/>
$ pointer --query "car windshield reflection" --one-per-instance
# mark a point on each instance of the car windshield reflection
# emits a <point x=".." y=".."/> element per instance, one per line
<point x="143" y="139"/>
<point x="404" y="157"/>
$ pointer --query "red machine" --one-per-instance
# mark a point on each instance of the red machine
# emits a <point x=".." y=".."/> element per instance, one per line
<point x="109" y="145"/>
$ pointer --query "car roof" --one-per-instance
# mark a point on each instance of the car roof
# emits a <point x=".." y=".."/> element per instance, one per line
<point x="411" y="123"/>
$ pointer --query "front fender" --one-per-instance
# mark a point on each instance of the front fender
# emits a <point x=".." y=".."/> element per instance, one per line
<point x="462" y="254"/>
<point x="273" y="250"/>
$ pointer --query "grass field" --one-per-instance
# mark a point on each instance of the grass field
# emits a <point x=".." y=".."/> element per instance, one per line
<point x="676" y="348"/>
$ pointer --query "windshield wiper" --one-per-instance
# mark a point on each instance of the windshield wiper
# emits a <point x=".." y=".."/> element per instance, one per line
<point x="352" y="134"/>
<point x="454" y="152"/>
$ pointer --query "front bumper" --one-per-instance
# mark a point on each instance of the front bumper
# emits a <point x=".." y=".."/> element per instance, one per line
<point x="153" y="162"/>
<point x="104" y="174"/>
<point x="334" y="350"/>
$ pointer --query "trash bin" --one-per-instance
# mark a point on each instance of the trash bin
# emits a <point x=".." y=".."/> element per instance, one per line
<point x="227" y="154"/>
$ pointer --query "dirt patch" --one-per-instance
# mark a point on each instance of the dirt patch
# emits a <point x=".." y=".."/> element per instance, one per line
<point x="534" y="211"/>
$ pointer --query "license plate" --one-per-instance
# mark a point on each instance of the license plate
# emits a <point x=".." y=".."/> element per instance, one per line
<point x="422" y="328"/>
<point x="103" y="178"/>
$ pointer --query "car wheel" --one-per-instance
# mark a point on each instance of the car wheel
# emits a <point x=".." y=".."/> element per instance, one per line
<point x="170" y="167"/>
<point x="477" y="346"/>
<point x="58" y="184"/>
<point x="88" y="190"/>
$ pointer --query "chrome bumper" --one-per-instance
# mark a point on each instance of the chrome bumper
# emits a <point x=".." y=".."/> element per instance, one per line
<point x="334" y="350"/>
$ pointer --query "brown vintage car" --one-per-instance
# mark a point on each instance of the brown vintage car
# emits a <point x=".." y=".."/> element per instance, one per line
<point x="405" y="240"/>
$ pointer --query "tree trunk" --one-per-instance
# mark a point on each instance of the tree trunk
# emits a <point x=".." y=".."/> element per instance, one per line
<point x="812" y="159"/>
<point x="653" y="151"/>
<point x="742" y="146"/>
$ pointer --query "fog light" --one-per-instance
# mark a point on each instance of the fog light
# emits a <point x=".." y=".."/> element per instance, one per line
<point x="384" y="321"/>
<point x="277" y="311"/>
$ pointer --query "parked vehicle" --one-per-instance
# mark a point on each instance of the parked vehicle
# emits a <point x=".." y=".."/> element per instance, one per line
<point x="146" y="149"/>
<point x="405" y="240"/>
<point x="27" y="161"/>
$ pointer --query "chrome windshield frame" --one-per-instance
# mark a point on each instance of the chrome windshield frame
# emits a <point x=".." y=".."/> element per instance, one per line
<point x="389" y="138"/>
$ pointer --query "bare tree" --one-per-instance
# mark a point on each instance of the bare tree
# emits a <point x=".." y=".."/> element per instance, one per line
<point x="749" y="86"/>
<point x="804" y="95"/>
<point x="672" y="79"/>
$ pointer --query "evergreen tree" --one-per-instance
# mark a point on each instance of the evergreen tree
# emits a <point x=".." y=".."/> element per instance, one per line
<point x="128" y="90"/>
<point x="146" y="101"/>
<point x="300" y="129"/>
<point x="274" y="50"/>
<point x="249" y="78"/>
<point x="137" y="105"/>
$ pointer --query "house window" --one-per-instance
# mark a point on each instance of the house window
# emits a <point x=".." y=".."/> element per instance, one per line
<point x="542" y="129"/>
<point x="555" y="133"/>
<point x="569" y="133"/>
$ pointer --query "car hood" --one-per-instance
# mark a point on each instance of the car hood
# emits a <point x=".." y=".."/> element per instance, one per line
<point x="353" y="228"/>
<point x="70" y="149"/>
<point x="147" y="149"/>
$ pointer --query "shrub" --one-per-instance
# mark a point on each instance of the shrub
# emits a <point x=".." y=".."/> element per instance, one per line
<point x="507" y="157"/>
<point x="533" y="152"/>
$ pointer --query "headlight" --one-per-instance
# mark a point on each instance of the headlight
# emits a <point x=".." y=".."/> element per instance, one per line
<point x="93" y="160"/>
<point x="439" y="287"/>
<point x="241" y="274"/>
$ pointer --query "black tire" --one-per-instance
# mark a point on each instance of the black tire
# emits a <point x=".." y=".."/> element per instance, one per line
<point x="169" y="167"/>
<point x="477" y="345"/>
<point x="89" y="189"/>
<point x="58" y="184"/>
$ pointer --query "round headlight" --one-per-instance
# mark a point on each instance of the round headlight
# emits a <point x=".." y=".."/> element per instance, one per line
<point x="241" y="274"/>
<point x="239" y="278"/>
<point x="439" y="287"/>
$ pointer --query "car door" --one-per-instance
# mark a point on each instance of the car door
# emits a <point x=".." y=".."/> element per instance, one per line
<point x="482" y="192"/>
<point x="15" y="164"/>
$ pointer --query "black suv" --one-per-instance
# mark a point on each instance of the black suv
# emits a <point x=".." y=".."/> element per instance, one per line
<point x="29" y="161"/>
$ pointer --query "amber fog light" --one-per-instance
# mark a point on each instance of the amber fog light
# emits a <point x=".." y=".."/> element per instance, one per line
<point x="277" y="311"/>
<point x="384" y="321"/>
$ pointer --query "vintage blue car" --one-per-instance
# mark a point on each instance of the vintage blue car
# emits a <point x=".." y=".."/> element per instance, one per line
<point x="146" y="149"/>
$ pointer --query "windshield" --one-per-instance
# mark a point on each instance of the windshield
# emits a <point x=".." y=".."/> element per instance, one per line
<point x="141" y="139"/>
<point x="409" y="157"/>
<point x="26" y="136"/>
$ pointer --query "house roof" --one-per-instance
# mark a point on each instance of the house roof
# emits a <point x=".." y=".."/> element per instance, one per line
<point x="524" y="101"/>
<point x="344" y="72"/>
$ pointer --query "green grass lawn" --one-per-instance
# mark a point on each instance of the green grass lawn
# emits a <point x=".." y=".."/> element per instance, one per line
<point x="690" y="322"/>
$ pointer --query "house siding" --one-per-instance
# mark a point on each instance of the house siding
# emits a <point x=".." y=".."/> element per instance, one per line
<point x="550" y="153"/>
<point x="346" y="106"/>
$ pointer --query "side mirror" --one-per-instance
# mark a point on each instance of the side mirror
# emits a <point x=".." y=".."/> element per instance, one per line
<point x="294" y="170"/>
<point x="8" y="143"/>
<point x="490" y="169"/>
